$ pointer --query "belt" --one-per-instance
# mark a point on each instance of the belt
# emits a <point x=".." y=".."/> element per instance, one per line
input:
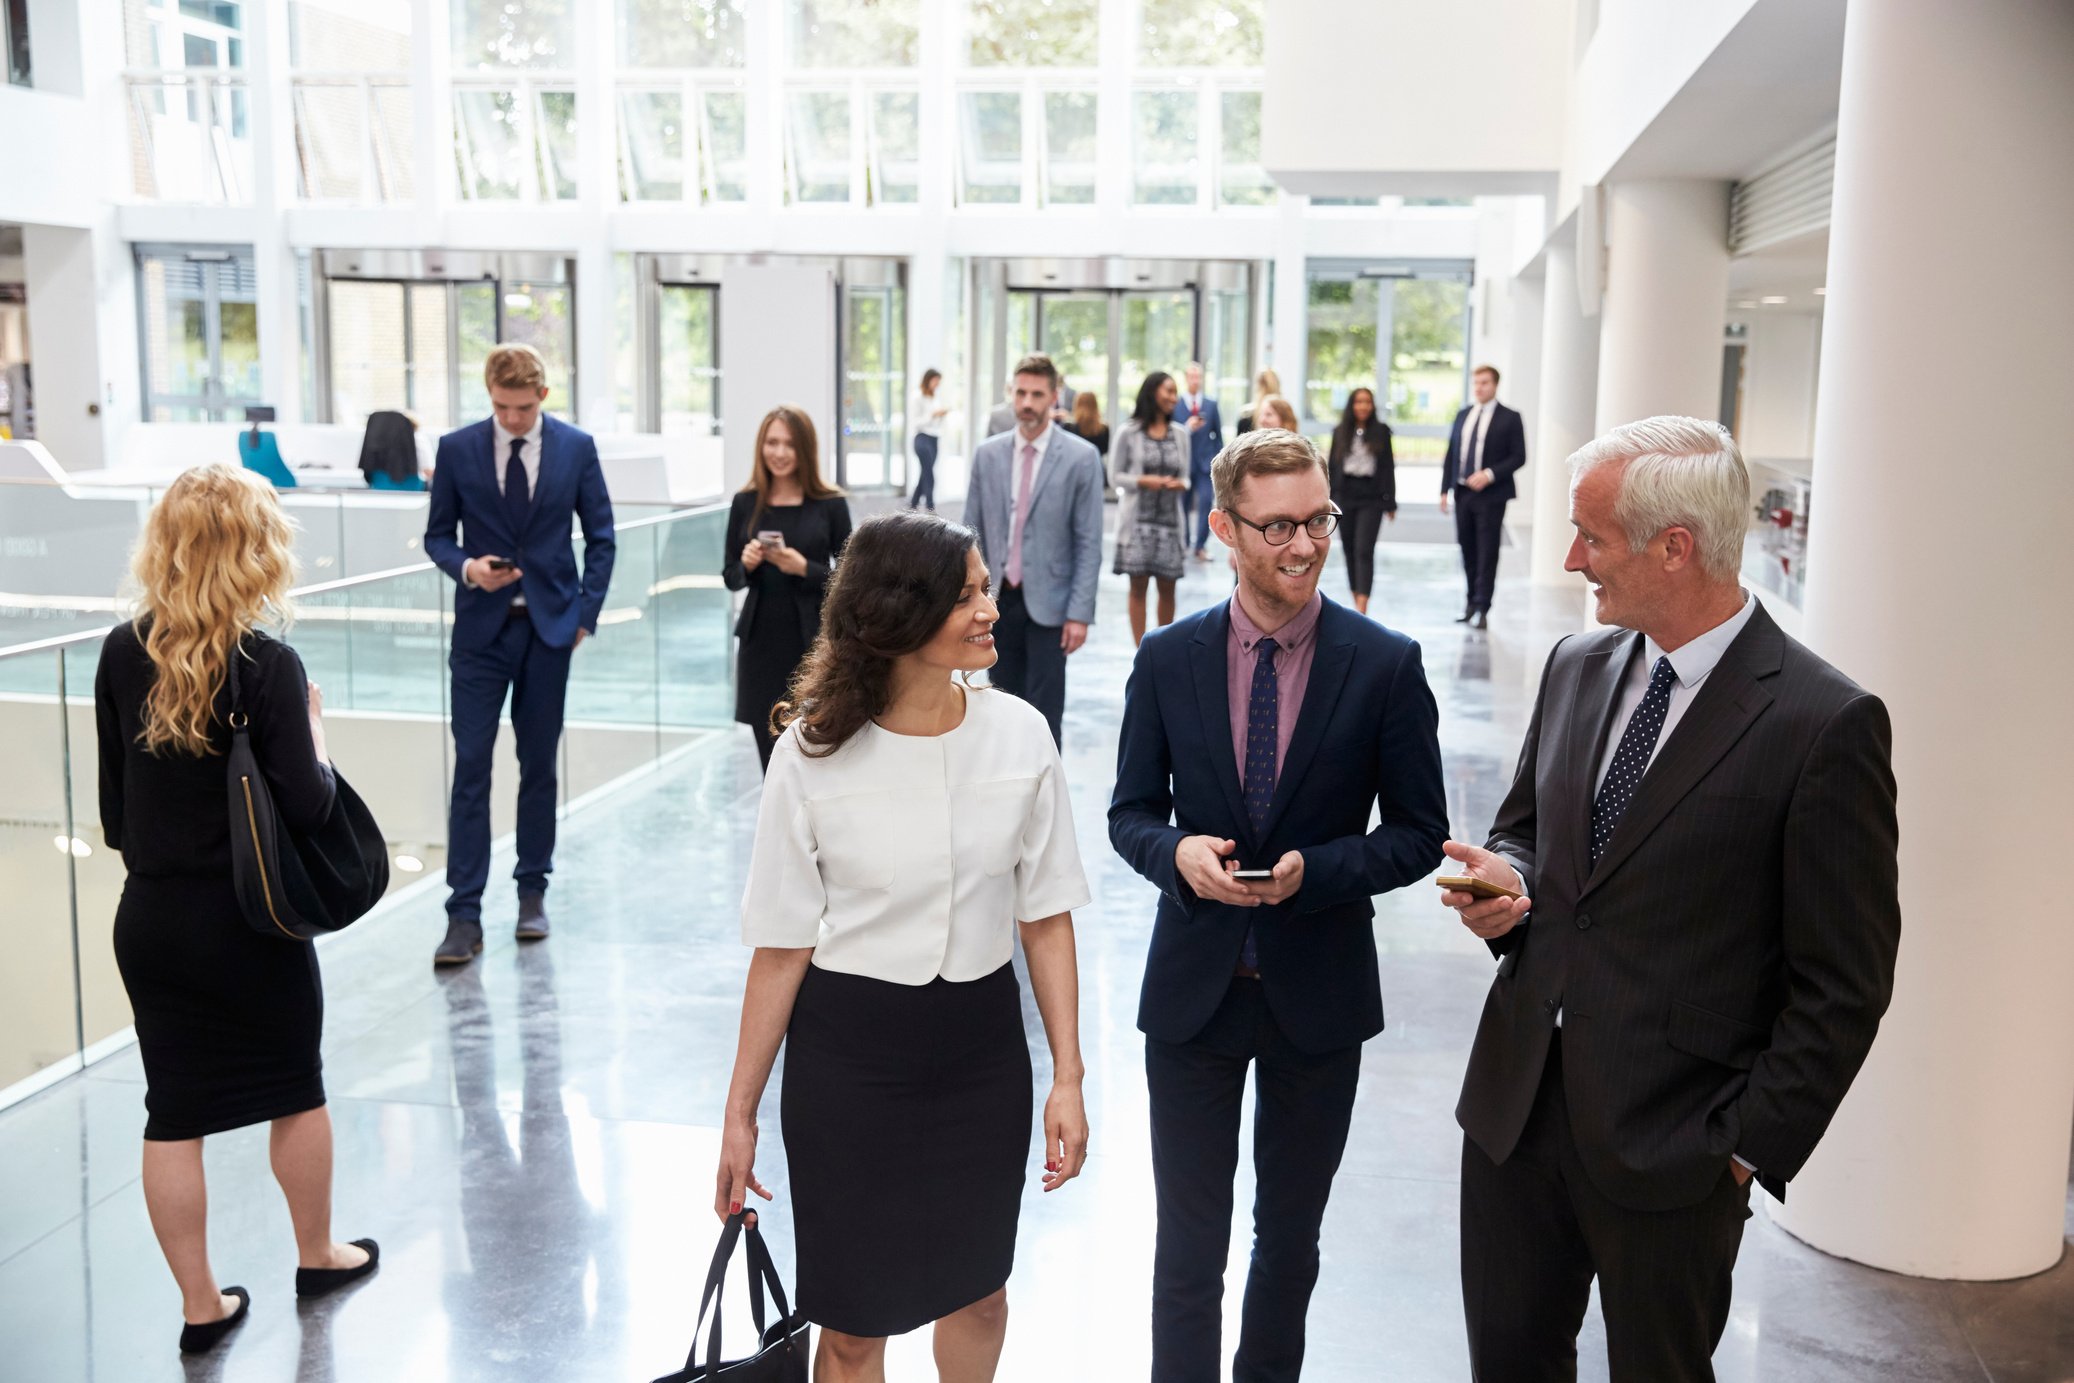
<point x="515" y="610"/>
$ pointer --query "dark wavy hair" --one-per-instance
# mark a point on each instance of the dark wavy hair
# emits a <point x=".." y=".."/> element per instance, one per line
<point x="1146" y="411"/>
<point x="899" y="579"/>
<point x="1343" y="435"/>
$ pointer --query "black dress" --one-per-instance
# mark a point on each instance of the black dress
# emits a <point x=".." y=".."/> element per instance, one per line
<point x="228" y="1020"/>
<point x="782" y="613"/>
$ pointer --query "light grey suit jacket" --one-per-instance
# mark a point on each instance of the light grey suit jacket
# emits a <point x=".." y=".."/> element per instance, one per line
<point x="1062" y="547"/>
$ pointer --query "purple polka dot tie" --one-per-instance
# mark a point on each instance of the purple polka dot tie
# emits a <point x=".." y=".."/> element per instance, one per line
<point x="1631" y="759"/>
<point x="1263" y="731"/>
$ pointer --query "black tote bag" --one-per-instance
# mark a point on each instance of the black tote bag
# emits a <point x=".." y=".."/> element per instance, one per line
<point x="782" y="1351"/>
<point x="291" y="884"/>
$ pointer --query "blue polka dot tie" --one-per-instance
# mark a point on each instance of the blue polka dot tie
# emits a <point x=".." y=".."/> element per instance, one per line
<point x="1631" y="759"/>
<point x="1263" y="731"/>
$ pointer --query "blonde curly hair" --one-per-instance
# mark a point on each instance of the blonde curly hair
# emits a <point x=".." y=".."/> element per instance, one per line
<point x="216" y="559"/>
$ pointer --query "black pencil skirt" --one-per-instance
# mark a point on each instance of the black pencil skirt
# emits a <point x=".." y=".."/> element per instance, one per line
<point x="906" y="1117"/>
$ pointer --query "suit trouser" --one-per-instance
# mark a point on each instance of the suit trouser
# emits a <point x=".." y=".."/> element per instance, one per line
<point x="1361" y="527"/>
<point x="1480" y="529"/>
<point x="1202" y="499"/>
<point x="1535" y="1231"/>
<point x="1029" y="660"/>
<point x="1304" y="1105"/>
<point x="537" y="679"/>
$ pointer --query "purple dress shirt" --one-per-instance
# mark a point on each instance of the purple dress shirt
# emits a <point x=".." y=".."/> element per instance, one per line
<point x="1296" y="644"/>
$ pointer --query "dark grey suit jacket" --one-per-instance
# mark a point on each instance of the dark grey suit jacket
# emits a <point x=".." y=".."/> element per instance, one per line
<point x="1722" y="971"/>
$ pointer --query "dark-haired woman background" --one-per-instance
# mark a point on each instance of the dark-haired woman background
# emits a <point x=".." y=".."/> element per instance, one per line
<point x="909" y="821"/>
<point x="1152" y="468"/>
<point x="784" y="533"/>
<point x="1363" y="471"/>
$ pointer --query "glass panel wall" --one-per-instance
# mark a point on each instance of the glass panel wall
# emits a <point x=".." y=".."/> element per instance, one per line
<point x="874" y="374"/>
<point x="688" y="359"/>
<point x="990" y="164"/>
<point x="354" y="134"/>
<point x="1069" y="148"/>
<point x="1164" y="167"/>
<point x="1401" y="330"/>
<point x="1242" y="179"/>
<point x="1033" y="33"/>
<point x="1158" y="334"/>
<point x="896" y="153"/>
<point x="817" y="145"/>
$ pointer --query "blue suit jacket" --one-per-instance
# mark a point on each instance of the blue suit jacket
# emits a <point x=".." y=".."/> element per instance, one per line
<point x="1206" y="441"/>
<point x="466" y="495"/>
<point x="1367" y="734"/>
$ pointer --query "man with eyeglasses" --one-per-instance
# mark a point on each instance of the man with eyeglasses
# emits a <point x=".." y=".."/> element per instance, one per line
<point x="1257" y="736"/>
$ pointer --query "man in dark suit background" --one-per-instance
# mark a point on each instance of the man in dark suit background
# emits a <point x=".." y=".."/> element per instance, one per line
<point x="1205" y="439"/>
<point x="1259" y="734"/>
<point x="1486" y="447"/>
<point x="1703" y="826"/>
<point x="511" y="485"/>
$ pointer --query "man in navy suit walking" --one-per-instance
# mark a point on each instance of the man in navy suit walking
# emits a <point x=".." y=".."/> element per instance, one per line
<point x="511" y="485"/>
<point x="1485" y="449"/>
<point x="1257" y="735"/>
<point x="1205" y="439"/>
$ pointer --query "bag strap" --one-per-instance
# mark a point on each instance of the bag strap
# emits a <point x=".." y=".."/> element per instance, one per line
<point x="716" y="1279"/>
<point x="762" y="1269"/>
<point x="237" y="700"/>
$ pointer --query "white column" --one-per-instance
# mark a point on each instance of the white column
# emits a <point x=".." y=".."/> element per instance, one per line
<point x="1666" y="300"/>
<point x="1286" y="348"/>
<point x="597" y="192"/>
<point x="1569" y="396"/>
<point x="273" y="191"/>
<point x="1938" y="576"/>
<point x="432" y="117"/>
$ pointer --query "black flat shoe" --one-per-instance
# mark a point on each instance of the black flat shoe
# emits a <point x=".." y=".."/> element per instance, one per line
<point x="317" y="1282"/>
<point x="200" y="1339"/>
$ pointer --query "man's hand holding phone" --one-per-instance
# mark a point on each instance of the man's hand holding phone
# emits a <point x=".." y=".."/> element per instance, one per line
<point x="1205" y="864"/>
<point x="490" y="573"/>
<point x="1489" y="918"/>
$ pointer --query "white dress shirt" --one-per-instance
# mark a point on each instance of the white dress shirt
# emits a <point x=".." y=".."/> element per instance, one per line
<point x="1473" y="428"/>
<point x="1015" y="475"/>
<point x="1689" y="666"/>
<point x="922" y="415"/>
<point x="529" y="454"/>
<point x="908" y="857"/>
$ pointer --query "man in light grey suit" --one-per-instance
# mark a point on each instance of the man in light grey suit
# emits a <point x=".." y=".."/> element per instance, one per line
<point x="1035" y="500"/>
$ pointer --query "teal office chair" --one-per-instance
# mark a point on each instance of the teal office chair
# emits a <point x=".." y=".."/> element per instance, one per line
<point x="260" y="452"/>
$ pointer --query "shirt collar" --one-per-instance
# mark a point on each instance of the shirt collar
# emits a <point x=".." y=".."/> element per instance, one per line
<point x="1042" y="441"/>
<point x="1695" y="659"/>
<point x="1294" y="634"/>
<point x="504" y="439"/>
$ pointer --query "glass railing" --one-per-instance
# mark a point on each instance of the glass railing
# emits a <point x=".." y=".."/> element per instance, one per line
<point x="655" y="678"/>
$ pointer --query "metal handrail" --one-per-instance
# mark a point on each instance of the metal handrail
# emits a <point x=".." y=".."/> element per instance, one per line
<point x="347" y="582"/>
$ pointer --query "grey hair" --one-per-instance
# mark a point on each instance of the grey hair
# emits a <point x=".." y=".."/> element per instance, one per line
<point x="1676" y="473"/>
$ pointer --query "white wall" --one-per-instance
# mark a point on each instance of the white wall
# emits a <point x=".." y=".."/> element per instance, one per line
<point x="1406" y="96"/>
<point x="1778" y="414"/>
<point x="777" y="333"/>
<point x="83" y="341"/>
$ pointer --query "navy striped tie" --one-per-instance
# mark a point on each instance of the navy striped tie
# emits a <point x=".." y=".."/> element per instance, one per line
<point x="1631" y="760"/>
<point x="1263" y="731"/>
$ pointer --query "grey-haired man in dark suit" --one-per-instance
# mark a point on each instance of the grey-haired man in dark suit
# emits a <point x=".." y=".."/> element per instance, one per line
<point x="1702" y="831"/>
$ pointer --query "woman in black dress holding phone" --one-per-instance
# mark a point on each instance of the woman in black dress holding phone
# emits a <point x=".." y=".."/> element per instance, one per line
<point x="784" y="533"/>
<point x="229" y="1021"/>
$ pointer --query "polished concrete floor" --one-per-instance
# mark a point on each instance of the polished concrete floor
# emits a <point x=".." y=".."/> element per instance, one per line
<point x="532" y="1139"/>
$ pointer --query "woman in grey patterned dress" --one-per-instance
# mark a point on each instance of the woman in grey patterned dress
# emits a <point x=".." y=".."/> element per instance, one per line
<point x="1152" y="471"/>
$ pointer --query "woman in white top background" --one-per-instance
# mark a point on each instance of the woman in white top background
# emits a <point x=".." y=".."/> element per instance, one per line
<point x="909" y="821"/>
<point x="926" y="416"/>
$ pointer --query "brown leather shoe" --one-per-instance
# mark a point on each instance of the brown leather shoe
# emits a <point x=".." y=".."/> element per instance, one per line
<point x="463" y="942"/>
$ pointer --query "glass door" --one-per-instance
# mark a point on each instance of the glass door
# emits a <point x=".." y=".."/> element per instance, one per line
<point x="687" y="356"/>
<point x="1158" y="334"/>
<point x="418" y="346"/>
<point x="1074" y="330"/>
<point x="872" y="450"/>
<point x="198" y="317"/>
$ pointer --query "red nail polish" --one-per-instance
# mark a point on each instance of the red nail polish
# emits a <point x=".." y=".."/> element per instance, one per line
<point x="735" y="1209"/>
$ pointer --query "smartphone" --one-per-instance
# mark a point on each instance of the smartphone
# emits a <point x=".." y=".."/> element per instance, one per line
<point x="771" y="538"/>
<point x="501" y="564"/>
<point x="1463" y="883"/>
<point x="1253" y="875"/>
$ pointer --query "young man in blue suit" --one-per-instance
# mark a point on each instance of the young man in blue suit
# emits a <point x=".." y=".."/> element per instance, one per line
<point x="1205" y="439"/>
<point x="511" y="485"/>
<point x="1485" y="449"/>
<point x="1258" y="735"/>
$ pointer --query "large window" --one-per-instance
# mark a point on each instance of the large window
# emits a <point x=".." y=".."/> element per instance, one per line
<point x="1033" y="33"/>
<point x="354" y="110"/>
<point x="1202" y="33"/>
<point x="1164" y="169"/>
<point x="990" y="143"/>
<point x="681" y="33"/>
<point x="189" y="110"/>
<point x="198" y="320"/>
<point x="514" y="133"/>
<point x="1401" y="330"/>
<point x="850" y="34"/>
<point x="500" y="34"/>
<point x="683" y="120"/>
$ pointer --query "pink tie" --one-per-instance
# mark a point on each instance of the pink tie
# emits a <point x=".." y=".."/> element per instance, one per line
<point x="1022" y="514"/>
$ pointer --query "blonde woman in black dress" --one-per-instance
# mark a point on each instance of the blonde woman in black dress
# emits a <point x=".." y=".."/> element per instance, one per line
<point x="1152" y="470"/>
<point x="912" y="826"/>
<point x="228" y="1020"/>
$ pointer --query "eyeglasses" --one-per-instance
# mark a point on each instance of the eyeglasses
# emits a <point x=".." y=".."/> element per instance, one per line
<point x="1279" y="532"/>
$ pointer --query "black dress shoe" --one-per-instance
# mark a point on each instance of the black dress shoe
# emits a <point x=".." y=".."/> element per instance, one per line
<point x="1482" y="621"/>
<point x="316" y="1282"/>
<point x="532" y="918"/>
<point x="200" y="1339"/>
<point x="1466" y="616"/>
<point x="463" y="942"/>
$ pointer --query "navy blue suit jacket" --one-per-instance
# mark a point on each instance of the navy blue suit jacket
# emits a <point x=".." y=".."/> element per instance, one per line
<point x="466" y="496"/>
<point x="1206" y="441"/>
<point x="1366" y="735"/>
<point x="1504" y="452"/>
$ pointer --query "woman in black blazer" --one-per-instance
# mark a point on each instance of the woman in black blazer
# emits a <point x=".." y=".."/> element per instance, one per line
<point x="1363" y="470"/>
<point x="784" y="533"/>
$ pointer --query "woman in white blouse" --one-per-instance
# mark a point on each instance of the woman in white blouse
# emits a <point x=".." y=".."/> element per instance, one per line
<point x="909" y="822"/>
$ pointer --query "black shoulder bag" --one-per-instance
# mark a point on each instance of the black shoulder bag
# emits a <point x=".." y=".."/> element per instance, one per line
<point x="290" y="884"/>
<point x="781" y="1348"/>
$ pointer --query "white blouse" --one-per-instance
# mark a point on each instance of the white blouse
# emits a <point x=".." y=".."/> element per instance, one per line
<point x="908" y="857"/>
